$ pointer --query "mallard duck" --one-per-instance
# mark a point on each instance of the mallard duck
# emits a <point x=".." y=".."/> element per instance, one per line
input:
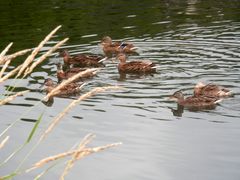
<point x="110" y="47"/>
<point x="211" y="90"/>
<point x="81" y="60"/>
<point x="69" y="89"/>
<point x="62" y="75"/>
<point x="193" y="101"/>
<point x="140" y="66"/>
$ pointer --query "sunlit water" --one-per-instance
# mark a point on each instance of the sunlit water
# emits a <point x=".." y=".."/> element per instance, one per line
<point x="190" y="42"/>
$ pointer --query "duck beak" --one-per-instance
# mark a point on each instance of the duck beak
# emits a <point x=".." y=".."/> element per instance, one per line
<point x="172" y="98"/>
<point x="134" y="48"/>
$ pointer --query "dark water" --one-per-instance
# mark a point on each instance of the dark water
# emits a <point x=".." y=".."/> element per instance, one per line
<point x="191" y="41"/>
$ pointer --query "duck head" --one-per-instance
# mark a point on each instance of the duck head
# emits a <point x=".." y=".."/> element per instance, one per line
<point x="106" y="40"/>
<point x="177" y="96"/>
<point x="64" y="53"/>
<point x="122" y="57"/>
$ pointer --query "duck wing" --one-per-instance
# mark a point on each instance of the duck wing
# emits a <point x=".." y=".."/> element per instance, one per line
<point x="211" y="87"/>
<point x="215" y="90"/>
<point x="200" y="101"/>
<point x="116" y="43"/>
<point x="86" y="61"/>
<point x="138" y="66"/>
<point x="75" y="70"/>
<point x="94" y="57"/>
<point x="126" y="45"/>
<point x="70" y="88"/>
<point x="83" y="57"/>
<point x="148" y="62"/>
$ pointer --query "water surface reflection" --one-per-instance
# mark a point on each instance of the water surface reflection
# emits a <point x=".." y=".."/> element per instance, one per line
<point x="190" y="41"/>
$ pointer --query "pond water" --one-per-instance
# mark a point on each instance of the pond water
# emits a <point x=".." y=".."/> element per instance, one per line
<point x="190" y="41"/>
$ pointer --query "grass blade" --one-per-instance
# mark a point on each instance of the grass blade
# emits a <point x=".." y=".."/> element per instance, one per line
<point x="10" y="176"/>
<point x="11" y="155"/>
<point x="45" y="172"/>
<point x="34" y="128"/>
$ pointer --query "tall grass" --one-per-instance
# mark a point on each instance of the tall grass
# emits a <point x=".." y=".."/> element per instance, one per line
<point x="23" y="70"/>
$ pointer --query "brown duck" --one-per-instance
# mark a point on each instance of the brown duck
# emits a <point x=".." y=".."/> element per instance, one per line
<point x="62" y="75"/>
<point x="110" y="47"/>
<point x="193" y="101"/>
<point x="69" y="89"/>
<point x="141" y="66"/>
<point x="81" y="60"/>
<point x="211" y="90"/>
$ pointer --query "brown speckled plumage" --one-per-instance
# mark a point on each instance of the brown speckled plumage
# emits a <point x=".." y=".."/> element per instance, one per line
<point x="110" y="47"/>
<point x="69" y="89"/>
<point x="211" y="90"/>
<point x="141" y="66"/>
<point x="81" y="60"/>
<point x="193" y="101"/>
<point x="62" y="75"/>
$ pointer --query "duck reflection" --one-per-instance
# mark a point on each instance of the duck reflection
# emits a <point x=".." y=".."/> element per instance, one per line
<point x="179" y="111"/>
<point x="125" y="76"/>
<point x="191" y="7"/>
<point x="49" y="102"/>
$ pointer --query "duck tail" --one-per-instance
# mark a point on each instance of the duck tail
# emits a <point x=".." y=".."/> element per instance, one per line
<point x="225" y="93"/>
<point x="155" y="67"/>
<point x="134" y="48"/>
<point x="103" y="59"/>
<point x="229" y="93"/>
<point x="218" y="101"/>
<point x="94" y="72"/>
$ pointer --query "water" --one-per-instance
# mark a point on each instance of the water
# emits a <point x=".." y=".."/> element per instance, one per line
<point x="191" y="41"/>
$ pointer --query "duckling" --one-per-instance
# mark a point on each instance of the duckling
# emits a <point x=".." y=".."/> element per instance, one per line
<point x="62" y="75"/>
<point x="81" y="60"/>
<point x="110" y="47"/>
<point x="193" y="101"/>
<point x="211" y="90"/>
<point x="69" y="89"/>
<point x="141" y="66"/>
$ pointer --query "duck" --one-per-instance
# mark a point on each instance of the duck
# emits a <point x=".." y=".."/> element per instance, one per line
<point x="110" y="47"/>
<point x="69" y="89"/>
<point x="193" y="101"/>
<point x="63" y="75"/>
<point x="211" y="90"/>
<point x="81" y="60"/>
<point x="139" y="66"/>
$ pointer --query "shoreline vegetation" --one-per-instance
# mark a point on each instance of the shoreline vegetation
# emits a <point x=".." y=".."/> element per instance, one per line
<point x="20" y="72"/>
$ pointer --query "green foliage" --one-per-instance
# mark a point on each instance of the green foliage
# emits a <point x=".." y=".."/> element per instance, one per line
<point x="34" y="128"/>
<point x="9" y="176"/>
